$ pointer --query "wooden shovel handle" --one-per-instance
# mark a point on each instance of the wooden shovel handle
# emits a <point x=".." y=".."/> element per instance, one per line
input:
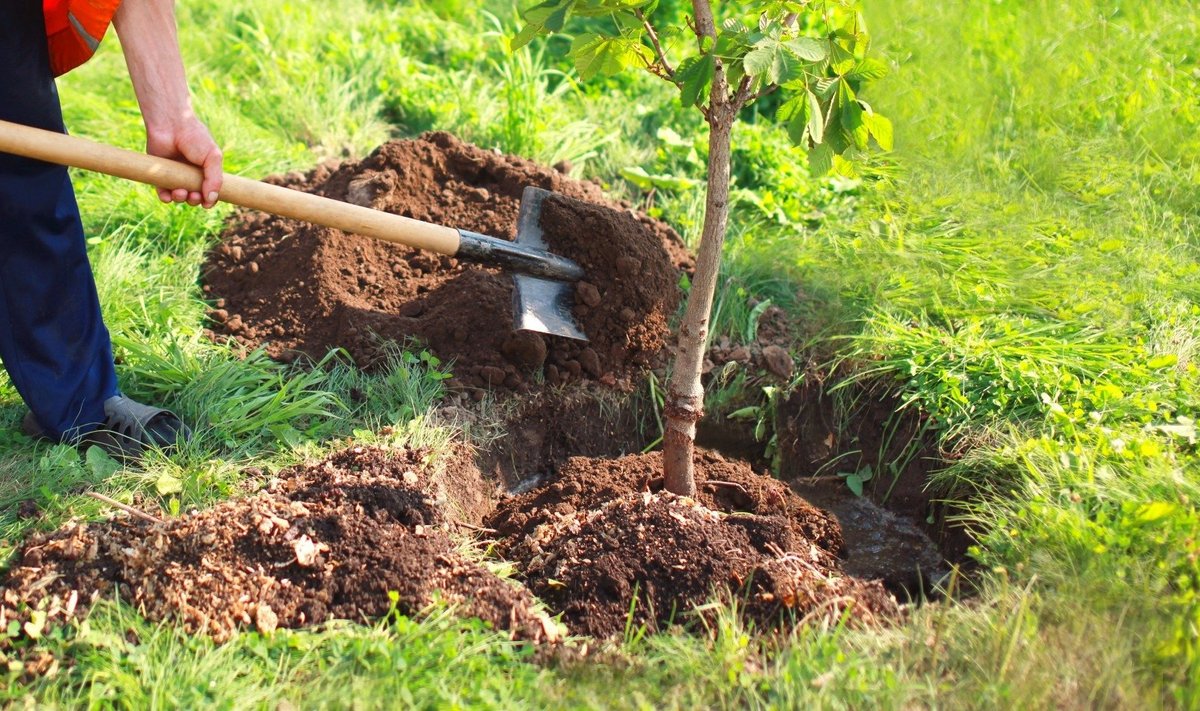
<point x="168" y="174"/>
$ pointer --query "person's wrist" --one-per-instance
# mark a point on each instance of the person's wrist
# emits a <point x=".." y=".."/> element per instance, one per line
<point x="167" y="122"/>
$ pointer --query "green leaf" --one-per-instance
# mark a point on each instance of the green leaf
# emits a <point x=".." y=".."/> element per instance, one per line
<point x="841" y="59"/>
<point x="794" y="113"/>
<point x="167" y="484"/>
<point x="855" y="483"/>
<point x="543" y="18"/>
<point x="1149" y="513"/>
<point x="36" y="624"/>
<point x="639" y="177"/>
<point x="852" y="121"/>
<point x="820" y="160"/>
<point x="769" y="61"/>
<point x="604" y="54"/>
<point x="825" y="88"/>
<point x="809" y="49"/>
<point x="868" y="70"/>
<point x="837" y="138"/>
<point x="816" y="121"/>
<point x="881" y="128"/>
<point x="101" y="465"/>
<point x="1166" y="360"/>
<point x="695" y="77"/>
<point x="746" y="413"/>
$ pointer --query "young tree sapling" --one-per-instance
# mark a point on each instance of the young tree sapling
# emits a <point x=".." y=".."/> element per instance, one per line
<point x="724" y="57"/>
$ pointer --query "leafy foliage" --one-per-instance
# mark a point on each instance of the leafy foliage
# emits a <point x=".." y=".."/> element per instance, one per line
<point x="814" y="54"/>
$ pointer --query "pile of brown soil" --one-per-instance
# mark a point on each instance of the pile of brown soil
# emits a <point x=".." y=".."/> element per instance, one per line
<point x="332" y="540"/>
<point x="298" y="288"/>
<point x="601" y="539"/>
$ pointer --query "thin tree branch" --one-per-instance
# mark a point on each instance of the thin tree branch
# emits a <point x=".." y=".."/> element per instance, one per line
<point x="706" y="28"/>
<point x="742" y="96"/>
<point x="765" y="91"/>
<point x="136" y="513"/>
<point x="658" y="48"/>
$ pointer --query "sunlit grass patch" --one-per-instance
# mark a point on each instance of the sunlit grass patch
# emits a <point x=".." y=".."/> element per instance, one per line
<point x="1022" y="272"/>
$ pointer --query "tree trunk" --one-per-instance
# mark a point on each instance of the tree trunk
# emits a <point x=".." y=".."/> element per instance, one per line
<point x="685" y="394"/>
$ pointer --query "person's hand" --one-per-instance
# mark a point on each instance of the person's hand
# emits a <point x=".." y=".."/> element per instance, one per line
<point x="188" y="140"/>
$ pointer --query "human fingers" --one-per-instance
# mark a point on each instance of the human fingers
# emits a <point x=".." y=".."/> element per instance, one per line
<point x="198" y="148"/>
<point x="214" y="177"/>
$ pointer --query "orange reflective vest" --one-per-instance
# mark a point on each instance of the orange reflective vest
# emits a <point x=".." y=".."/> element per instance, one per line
<point x="74" y="29"/>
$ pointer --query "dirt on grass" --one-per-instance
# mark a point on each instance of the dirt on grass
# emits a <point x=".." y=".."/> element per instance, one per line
<point x="297" y="288"/>
<point x="351" y="537"/>
<point x="603" y="540"/>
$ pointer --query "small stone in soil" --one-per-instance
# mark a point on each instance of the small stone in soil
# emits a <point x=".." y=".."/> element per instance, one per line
<point x="590" y="361"/>
<point x="492" y="375"/>
<point x="588" y="294"/>
<point x="525" y="349"/>
<point x="779" y="361"/>
<point x="628" y="266"/>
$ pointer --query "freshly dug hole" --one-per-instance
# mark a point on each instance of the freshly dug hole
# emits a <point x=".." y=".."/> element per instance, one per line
<point x="601" y="538"/>
<point x="902" y="451"/>
<point x="329" y="540"/>
<point x="901" y="530"/>
<point x="297" y="288"/>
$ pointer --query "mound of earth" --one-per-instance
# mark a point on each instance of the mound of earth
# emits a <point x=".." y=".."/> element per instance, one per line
<point x="601" y="540"/>
<point x="338" y="539"/>
<point x="298" y="288"/>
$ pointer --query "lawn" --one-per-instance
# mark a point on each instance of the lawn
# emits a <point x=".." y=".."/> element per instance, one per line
<point x="1021" y="272"/>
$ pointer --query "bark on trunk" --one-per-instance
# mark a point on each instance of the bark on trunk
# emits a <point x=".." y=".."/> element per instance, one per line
<point x="685" y="394"/>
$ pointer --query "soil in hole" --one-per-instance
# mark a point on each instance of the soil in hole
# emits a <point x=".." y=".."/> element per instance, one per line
<point x="899" y="529"/>
<point x="298" y="288"/>
<point x="602" y="538"/>
<point x="529" y="437"/>
<point x="321" y="541"/>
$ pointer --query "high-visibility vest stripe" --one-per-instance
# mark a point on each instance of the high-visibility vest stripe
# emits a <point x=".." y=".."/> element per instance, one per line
<point x="93" y="43"/>
<point x="74" y="29"/>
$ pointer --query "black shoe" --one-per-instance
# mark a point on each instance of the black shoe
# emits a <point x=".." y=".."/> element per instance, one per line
<point x="128" y="430"/>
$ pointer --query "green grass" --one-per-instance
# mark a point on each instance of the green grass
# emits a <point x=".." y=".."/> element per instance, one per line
<point x="1022" y="270"/>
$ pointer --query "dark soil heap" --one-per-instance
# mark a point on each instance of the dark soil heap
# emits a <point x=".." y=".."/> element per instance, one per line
<point x="601" y="535"/>
<point x="299" y="288"/>
<point x="323" y="541"/>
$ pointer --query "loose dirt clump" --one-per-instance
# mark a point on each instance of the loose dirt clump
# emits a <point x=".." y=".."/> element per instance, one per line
<point x="603" y="538"/>
<point x="629" y="291"/>
<point x="296" y="288"/>
<point x="338" y="539"/>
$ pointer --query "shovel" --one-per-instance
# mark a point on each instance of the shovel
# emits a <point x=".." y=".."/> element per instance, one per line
<point x="542" y="293"/>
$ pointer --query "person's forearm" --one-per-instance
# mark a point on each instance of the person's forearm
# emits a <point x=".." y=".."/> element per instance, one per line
<point x="148" y="38"/>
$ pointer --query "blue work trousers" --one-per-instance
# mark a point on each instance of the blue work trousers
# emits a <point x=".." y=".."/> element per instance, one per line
<point x="53" y="342"/>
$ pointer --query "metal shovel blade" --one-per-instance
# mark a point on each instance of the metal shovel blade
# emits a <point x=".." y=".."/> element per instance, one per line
<point x="544" y="306"/>
<point x="541" y="305"/>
